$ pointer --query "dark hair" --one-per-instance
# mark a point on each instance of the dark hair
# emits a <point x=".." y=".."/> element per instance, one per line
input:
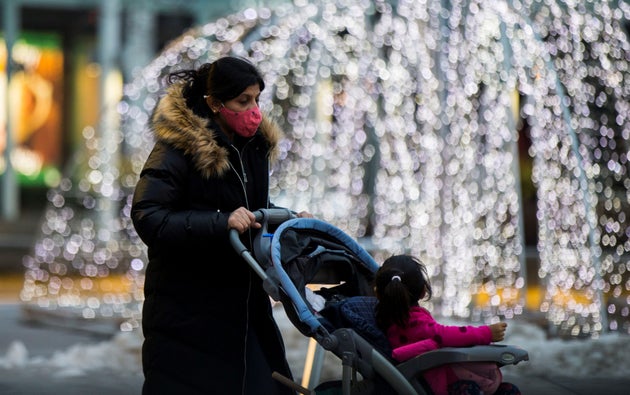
<point x="223" y="79"/>
<point x="396" y="295"/>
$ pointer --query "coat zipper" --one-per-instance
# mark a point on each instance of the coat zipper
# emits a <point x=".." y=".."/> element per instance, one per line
<point x="242" y="179"/>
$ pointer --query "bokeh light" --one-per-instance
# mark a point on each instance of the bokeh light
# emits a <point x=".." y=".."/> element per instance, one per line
<point x="401" y="127"/>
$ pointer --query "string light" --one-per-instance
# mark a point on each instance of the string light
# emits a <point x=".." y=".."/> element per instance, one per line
<point x="400" y="128"/>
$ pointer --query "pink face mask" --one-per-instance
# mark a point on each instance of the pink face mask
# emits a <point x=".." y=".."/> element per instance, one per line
<point x="244" y="123"/>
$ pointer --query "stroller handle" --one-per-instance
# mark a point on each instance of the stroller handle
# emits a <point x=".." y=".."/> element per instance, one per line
<point x="266" y="217"/>
<point x="273" y="216"/>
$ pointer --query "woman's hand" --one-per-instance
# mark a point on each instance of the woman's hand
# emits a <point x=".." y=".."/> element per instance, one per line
<point x="304" y="214"/>
<point x="498" y="331"/>
<point x="242" y="219"/>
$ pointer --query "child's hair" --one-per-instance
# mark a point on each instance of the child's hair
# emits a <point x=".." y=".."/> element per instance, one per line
<point x="399" y="284"/>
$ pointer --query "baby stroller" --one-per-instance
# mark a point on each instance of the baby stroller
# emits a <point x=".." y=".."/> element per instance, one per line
<point x="291" y="255"/>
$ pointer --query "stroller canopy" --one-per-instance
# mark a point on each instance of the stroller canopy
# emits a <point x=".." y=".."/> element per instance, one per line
<point x="310" y="251"/>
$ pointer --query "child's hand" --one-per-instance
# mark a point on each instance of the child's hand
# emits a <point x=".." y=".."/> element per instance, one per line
<point x="498" y="331"/>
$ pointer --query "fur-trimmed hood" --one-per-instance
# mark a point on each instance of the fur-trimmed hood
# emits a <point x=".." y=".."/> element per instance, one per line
<point x="174" y="123"/>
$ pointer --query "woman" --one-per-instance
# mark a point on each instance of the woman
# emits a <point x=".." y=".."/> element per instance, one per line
<point x="207" y="321"/>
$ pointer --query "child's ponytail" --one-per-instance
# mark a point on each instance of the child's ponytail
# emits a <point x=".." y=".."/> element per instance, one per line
<point x="399" y="284"/>
<point x="393" y="305"/>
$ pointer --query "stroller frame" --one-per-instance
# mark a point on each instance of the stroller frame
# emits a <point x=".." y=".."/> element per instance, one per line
<point x="357" y="354"/>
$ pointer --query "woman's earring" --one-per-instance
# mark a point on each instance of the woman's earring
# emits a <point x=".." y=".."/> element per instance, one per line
<point x="208" y="103"/>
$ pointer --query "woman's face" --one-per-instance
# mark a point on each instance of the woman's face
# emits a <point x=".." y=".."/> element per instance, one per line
<point x="246" y="100"/>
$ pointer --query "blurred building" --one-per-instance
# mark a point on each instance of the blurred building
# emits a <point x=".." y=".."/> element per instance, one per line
<point x="63" y="53"/>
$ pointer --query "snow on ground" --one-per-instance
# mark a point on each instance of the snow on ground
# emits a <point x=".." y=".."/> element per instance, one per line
<point x="121" y="353"/>
<point x="608" y="356"/>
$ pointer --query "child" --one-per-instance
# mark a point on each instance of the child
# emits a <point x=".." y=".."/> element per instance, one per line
<point x="399" y="284"/>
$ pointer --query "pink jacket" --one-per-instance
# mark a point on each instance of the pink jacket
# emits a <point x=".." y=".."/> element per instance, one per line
<point x="424" y="334"/>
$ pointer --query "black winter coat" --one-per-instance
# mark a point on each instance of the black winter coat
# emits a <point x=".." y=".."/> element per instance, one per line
<point x="202" y="301"/>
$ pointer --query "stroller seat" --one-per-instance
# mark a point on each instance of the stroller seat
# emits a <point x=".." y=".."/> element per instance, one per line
<point x="357" y="313"/>
<point x="292" y="254"/>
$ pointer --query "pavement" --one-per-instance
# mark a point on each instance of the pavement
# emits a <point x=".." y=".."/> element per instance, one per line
<point x="44" y="341"/>
<point x="40" y="341"/>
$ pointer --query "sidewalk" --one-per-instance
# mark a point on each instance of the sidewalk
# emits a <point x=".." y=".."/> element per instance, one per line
<point x="43" y="342"/>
